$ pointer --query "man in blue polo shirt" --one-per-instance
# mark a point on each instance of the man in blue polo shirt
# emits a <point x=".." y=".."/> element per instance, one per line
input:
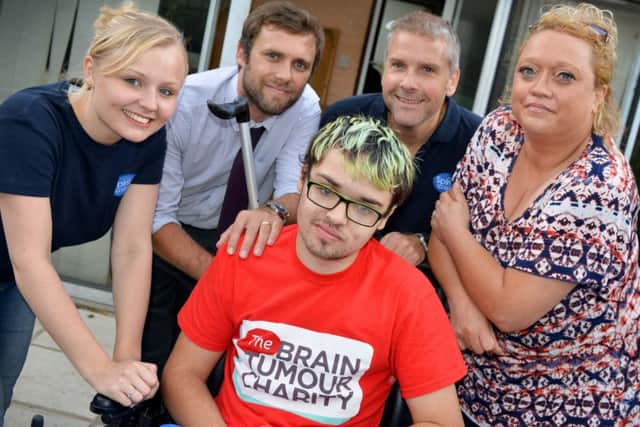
<point x="421" y="73"/>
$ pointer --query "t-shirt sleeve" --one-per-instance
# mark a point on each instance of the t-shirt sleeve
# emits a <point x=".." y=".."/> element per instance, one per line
<point x="425" y="354"/>
<point x="206" y="317"/>
<point x="28" y="147"/>
<point x="151" y="170"/>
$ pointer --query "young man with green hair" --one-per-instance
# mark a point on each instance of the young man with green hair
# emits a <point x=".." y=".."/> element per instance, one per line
<point x="318" y="328"/>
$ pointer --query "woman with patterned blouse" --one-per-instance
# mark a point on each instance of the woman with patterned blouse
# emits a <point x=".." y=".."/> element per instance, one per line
<point x="535" y="245"/>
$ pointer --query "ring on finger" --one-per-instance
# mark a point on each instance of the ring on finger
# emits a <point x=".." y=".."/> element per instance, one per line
<point x="265" y="223"/>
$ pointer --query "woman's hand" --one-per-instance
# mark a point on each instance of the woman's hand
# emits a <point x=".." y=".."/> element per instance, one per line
<point x="473" y="330"/>
<point x="451" y="213"/>
<point x="128" y="382"/>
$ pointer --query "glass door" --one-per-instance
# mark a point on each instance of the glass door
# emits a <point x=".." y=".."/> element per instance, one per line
<point x="630" y="109"/>
<point x="630" y="113"/>
<point x="480" y="26"/>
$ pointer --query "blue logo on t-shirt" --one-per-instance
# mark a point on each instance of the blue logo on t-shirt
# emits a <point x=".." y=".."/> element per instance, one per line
<point x="123" y="183"/>
<point x="442" y="182"/>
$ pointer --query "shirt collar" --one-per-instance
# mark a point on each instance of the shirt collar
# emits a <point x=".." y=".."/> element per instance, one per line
<point x="379" y="110"/>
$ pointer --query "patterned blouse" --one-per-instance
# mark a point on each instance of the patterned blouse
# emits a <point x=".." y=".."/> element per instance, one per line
<point x="578" y="365"/>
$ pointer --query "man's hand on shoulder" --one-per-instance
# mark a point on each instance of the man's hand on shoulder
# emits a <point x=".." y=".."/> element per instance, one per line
<point x="406" y="245"/>
<point x="260" y="226"/>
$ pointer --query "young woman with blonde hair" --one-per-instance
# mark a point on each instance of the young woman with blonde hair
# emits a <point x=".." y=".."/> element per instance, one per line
<point x="73" y="164"/>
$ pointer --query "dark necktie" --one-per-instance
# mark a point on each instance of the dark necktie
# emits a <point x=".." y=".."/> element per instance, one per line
<point x="236" y="197"/>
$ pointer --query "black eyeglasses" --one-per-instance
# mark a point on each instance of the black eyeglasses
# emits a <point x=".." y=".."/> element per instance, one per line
<point x="327" y="198"/>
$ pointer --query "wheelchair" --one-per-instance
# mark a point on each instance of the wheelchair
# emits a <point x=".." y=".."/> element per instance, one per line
<point x="151" y="413"/>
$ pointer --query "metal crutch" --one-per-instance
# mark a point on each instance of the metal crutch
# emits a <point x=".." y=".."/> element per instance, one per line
<point x="240" y="110"/>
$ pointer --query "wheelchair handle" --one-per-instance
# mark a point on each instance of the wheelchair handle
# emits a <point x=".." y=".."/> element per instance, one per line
<point x="114" y="414"/>
<point x="101" y="404"/>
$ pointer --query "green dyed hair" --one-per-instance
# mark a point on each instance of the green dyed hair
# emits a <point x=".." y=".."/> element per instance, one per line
<point x="371" y="150"/>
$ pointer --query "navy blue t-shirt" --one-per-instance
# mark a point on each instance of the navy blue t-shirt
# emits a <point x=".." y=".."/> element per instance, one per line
<point x="45" y="152"/>
<point x="436" y="159"/>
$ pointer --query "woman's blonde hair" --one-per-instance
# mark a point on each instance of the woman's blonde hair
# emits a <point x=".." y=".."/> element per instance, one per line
<point x="597" y="27"/>
<point x="123" y="34"/>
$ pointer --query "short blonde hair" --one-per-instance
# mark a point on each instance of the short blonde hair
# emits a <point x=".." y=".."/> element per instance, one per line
<point x="597" y="27"/>
<point x="123" y="34"/>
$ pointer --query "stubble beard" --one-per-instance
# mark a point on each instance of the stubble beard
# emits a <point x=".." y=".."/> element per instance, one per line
<point x="321" y="249"/>
<point x="257" y="98"/>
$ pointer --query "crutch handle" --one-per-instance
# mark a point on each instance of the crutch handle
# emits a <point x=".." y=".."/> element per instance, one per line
<point x="238" y="109"/>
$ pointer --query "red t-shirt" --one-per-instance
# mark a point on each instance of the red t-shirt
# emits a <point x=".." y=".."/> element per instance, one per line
<point x="313" y="349"/>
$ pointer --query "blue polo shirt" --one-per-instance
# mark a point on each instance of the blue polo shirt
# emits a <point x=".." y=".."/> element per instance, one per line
<point x="436" y="160"/>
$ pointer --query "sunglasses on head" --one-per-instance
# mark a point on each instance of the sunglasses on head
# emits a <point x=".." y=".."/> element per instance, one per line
<point x="602" y="34"/>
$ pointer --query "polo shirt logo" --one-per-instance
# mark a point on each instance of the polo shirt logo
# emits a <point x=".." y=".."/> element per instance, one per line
<point x="442" y="182"/>
<point x="123" y="183"/>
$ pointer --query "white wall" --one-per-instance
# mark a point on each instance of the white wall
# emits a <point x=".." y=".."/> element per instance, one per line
<point x="87" y="12"/>
<point x="24" y="42"/>
<point x="29" y="27"/>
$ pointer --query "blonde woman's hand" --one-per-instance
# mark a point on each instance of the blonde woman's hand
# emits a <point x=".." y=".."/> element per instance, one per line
<point x="128" y="382"/>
